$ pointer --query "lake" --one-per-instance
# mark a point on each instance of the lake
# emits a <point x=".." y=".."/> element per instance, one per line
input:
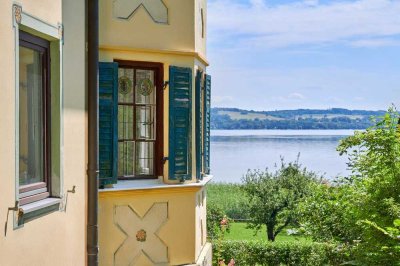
<point x="233" y="152"/>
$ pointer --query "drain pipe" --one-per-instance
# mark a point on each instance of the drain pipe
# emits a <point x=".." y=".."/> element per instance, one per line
<point x="93" y="125"/>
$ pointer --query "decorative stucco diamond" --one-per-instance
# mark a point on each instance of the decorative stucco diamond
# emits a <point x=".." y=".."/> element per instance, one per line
<point x="141" y="235"/>
<point x="125" y="9"/>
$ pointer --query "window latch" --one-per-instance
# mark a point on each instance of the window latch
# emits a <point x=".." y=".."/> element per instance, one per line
<point x="166" y="83"/>
<point x="165" y="159"/>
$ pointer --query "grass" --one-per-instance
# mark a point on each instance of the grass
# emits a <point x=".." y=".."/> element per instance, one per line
<point x="232" y="200"/>
<point x="238" y="231"/>
<point x="229" y="197"/>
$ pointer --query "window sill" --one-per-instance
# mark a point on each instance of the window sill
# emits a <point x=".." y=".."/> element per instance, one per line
<point x="38" y="209"/>
<point x="124" y="185"/>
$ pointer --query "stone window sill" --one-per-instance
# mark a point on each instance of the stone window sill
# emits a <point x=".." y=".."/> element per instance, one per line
<point x="124" y="185"/>
<point x="38" y="209"/>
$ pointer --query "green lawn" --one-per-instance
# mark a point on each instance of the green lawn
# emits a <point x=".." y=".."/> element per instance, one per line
<point x="238" y="231"/>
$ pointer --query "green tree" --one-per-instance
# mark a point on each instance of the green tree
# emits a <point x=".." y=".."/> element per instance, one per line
<point x="274" y="196"/>
<point x="375" y="163"/>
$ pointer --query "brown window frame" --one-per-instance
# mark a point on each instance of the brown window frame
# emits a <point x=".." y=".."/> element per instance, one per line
<point x="35" y="192"/>
<point x="158" y="69"/>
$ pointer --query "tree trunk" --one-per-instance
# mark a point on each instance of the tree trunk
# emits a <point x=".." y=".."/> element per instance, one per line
<point x="270" y="232"/>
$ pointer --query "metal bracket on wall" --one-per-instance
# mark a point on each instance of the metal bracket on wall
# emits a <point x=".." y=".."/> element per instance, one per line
<point x="16" y="208"/>
<point x="64" y="205"/>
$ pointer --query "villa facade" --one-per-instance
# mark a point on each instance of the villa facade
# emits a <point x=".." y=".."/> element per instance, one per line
<point x="149" y="118"/>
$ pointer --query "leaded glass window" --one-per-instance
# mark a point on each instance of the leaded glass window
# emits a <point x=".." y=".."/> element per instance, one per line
<point x="136" y="122"/>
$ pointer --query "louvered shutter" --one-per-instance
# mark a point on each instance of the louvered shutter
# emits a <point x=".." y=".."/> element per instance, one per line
<point x="199" y="131"/>
<point x="108" y="123"/>
<point x="180" y="102"/>
<point x="207" y="120"/>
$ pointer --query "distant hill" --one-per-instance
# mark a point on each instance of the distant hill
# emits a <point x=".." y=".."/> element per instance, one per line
<point x="335" y="118"/>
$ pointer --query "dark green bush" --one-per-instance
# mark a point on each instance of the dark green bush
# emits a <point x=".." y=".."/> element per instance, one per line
<point x="283" y="253"/>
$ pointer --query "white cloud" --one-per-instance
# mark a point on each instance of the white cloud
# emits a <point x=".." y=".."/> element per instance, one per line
<point x="257" y="24"/>
<point x="221" y="100"/>
<point x="375" y="42"/>
<point x="296" y="96"/>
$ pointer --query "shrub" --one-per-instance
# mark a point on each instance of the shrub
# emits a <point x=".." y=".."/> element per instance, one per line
<point x="283" y="253"/>
<point x="215" y="218"/>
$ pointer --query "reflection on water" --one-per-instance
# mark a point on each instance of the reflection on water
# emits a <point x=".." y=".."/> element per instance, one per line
<point x="233" y="152"/>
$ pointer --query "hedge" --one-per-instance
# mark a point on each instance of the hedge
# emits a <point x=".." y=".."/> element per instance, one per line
<point x="281" y="253"/>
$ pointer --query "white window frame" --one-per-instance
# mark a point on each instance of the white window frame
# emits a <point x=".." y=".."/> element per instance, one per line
<point x="54" y="34"/>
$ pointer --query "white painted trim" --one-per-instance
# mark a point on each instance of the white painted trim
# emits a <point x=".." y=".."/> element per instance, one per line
<point x="152" y="184"/>
<point x="40" y="25"/>
<point x="37" y="205"/>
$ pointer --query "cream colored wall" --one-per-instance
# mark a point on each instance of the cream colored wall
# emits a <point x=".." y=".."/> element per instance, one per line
<point x="178" y="232"/>
<point x="57" y="238"/>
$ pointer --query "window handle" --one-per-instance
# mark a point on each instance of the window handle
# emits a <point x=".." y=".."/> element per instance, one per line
<point x="165" y="159"/>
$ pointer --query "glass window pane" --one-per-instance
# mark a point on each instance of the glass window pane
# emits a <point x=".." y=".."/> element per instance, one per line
<point x="145" y="122"/>
<point x="125" y="122"/>
<point x="126" y="158"/>
<point x="144" y="158"/>
<point x="31" y="135"/>
<point x="145" y="90"/>
<point x="125" y="85"/>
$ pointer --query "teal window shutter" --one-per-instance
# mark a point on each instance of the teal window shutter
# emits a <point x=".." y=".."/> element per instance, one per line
<point x="108" y="123"/>
<point x="207" y="120"/>
<point x="180" y="102"/>
<point x="199" y="130"/>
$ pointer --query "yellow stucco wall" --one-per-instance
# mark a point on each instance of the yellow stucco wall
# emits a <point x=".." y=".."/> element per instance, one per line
<point x="140" y="31"/>
<point x="183" y="32"/>
<point x="180" y="43"/>
<point x="200" y="12"/>
<point x="59" y="237"/>
<point x="180" y="233"/>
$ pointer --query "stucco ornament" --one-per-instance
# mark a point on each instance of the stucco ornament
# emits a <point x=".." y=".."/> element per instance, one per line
<point x="141" y="235"/>
<point x="18" y="13"/>
<point x="125" y="9"/>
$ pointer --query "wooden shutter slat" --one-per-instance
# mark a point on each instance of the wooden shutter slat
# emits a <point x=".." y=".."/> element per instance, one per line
<point x="180" y="94"/>
<point x="108" y="123"/>
<point x="199" y="130"/>
<point x="207" y="121"/>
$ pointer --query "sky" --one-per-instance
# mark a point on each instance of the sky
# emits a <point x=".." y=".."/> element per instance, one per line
<point x="289" y="54"/>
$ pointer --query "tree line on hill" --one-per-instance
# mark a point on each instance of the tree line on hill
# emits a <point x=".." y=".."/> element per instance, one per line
<point x="335" y="118"/>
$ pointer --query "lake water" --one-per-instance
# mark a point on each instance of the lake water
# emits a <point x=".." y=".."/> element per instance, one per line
<point x="233" y="152"/>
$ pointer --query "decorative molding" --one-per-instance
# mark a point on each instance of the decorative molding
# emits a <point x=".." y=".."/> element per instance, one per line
<point x="125" y="9"/>
<point x="17" y="13"/>
<point x="196" y="55"/>
<point x="141" y="234"/>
